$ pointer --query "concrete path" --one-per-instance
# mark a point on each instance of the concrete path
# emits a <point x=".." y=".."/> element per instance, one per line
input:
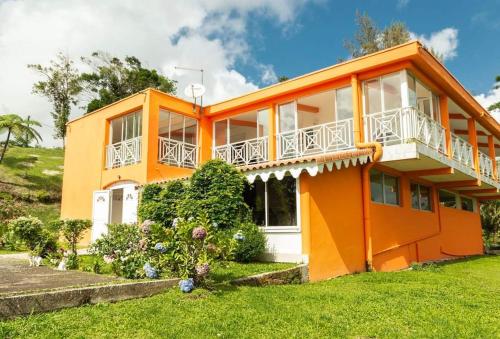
<point x="16" y="276"/>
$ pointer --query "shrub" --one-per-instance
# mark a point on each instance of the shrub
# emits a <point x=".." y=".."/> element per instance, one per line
<point x="251" y="242"/>
<point x="160" y="203"/>
<point x="216" y="189"/>
<point x="73" y="229"/>
<point x="29" y="230"/>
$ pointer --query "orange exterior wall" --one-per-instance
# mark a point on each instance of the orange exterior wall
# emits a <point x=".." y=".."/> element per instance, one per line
<point x="336" y="223"/>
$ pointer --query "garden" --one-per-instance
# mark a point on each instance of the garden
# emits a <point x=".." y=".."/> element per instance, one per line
<point x="194" y="229"/>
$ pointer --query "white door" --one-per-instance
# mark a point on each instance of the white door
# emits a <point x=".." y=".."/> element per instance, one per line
<point x="130" y="202"/>
<point x="100" y="213"/>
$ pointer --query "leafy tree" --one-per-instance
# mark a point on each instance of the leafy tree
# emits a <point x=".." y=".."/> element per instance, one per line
<point x="72" y="230"/>
<point x="112" y="79"/>
<point x="496" y="86"/>
<point x="61" y="86"/>
<point x="283" y="78"/>
<point x="370" y="39"/>
<point x="15" y="125"/>
<point x="25" y="139"/>
<point x="490" y="217"/>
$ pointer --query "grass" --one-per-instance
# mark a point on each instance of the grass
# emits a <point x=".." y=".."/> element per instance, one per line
<point x="450" y="300"/>
<point x="26" y="180"/>
<point x="5" y="251"/>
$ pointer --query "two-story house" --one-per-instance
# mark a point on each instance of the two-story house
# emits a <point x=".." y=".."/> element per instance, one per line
<point x="373" y="163"/>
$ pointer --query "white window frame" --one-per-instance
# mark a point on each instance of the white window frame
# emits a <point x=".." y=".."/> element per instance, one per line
<point x="404" y="89"/>
<point x="137" y="128"/>
<point x="286" y="228"/>
<point x="183" y="125"/>
<point x="228" y="125"/>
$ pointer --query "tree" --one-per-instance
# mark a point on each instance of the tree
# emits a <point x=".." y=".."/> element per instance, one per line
<point x="490" y="218"/>
<point x="25" y="139"/>
<point x="61" y="87"/>
<point x="283" y="78"/>
<point x="15" y="125"/>
<point x="370" y="39"/>
<point x="496" y="86"/>
<point x="73" y="229"/>
<point x="112" y="79"/>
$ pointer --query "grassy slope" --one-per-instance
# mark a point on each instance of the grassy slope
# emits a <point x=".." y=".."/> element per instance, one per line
<point x="21" y="175"/>
<point x="459" y="299"/>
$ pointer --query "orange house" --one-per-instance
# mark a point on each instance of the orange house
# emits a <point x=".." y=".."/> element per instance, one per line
<point x="370" y="164"/>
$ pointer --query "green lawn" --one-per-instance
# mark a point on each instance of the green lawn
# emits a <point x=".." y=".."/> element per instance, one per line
<point x="459" y="299"/>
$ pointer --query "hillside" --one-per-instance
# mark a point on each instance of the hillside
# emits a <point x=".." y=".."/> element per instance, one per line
<point x="30" y="183"/>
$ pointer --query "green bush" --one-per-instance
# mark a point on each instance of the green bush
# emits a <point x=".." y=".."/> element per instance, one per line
<point x="72" y="230"/>
<point x="160" y="203"/>
<point x="216" y="189"/>
<point x="251" y="242"/>
<point x="29" y="230"/>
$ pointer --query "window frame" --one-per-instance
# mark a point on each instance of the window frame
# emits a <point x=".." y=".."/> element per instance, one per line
<point x="184" y="118"/>
<point x="458" y="202"/>
<point x="123" y="120"/>
<point x="431" y="199"/>
<point x="379" y="79"/>
<point x="286" y="228"/>
<point x="384" y="200"/>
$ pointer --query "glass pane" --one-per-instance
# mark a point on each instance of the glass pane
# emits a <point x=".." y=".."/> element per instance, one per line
<point x="376" y="186"/>
<point x="220" y="132"/>
<point x="425" y="198"/>
<point x="163" y="123"/>
<point x="435" y="107"/>
<point x="116" y="130"/>
<point x="316" y="109"/>
<point x="392" y="91"/>
<point x="176" y="127"/>
<point x="447" y="199"/>
<point x="191" y="126"/>
<point x="138" y="122"/>
<point x="263" y="123"/>
<point x="243" y="127"/>
<point x="412" y="91"/>
<point x="391" y="190"/>
<point x="414" y="196"/>
<point x="282" y="202"/>
<point x="130" y="127"/>
<point x="255" y="196"/>
<point x="344" y="103"/>
<point x="467" y="204"/>
<point x="373" y="103"/>
<point x="287" y="117"/>
<point x="423" y="99"/>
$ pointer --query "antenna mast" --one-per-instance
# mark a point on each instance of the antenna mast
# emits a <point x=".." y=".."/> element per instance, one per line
<point x="194" y="70"/>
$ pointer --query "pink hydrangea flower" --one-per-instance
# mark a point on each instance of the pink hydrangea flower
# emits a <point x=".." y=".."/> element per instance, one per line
<point x="146" y="226"/>
<point x="199" y="233"/>
<point x="202" y="270"/>
<point x="108" y="259"/>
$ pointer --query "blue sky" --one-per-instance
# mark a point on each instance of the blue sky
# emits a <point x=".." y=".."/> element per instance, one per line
<point x="317" y="41"/>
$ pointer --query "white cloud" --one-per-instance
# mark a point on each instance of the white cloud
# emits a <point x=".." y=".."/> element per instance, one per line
<point x="208" y="34"/>
<point x="445" y="42"/>
<point x="402" y="3"/>
<point x="488" y="99"/>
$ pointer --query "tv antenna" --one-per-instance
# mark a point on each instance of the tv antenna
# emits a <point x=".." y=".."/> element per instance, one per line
<point x="194" y="90"/>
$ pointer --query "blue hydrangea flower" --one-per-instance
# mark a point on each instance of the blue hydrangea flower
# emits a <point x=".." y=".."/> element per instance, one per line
<point x="239" y="236"/>
<point x="160" y="248"/>
<point x="186" y="285"/>
<point x="150" y="271"/>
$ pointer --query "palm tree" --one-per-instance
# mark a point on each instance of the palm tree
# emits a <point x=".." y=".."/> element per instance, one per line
<point x="15" y="125"/>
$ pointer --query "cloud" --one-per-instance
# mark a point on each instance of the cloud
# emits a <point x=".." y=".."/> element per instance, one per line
<point x="488" y="99"/>
<point x="402" y="3"/>
<point x="208" y="34"/>
<point x="445" y="42"/>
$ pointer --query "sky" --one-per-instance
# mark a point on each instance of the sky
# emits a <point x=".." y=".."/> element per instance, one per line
<point x="242" y="45"/>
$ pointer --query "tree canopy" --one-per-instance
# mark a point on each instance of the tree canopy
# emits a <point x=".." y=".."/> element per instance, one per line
<point x="15" y="125"/>
<point x="112" y="79"/>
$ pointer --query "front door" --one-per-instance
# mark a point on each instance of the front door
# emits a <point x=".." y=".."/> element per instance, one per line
<point x="100" y="213"/>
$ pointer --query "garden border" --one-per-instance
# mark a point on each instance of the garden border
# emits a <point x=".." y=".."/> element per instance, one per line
<point x="295" y="275"/>
<point x="24" y="304"/>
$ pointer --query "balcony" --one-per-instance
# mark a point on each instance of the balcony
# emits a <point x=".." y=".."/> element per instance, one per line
<point x="462" y="151"/>
<point x="485" y="165"/>
<point x="248" y="152"/>
<point x="177" y="153"/>
<point x="318" y="139"/>
<point x="123" y="153"/>
<point x="405" y="125"/>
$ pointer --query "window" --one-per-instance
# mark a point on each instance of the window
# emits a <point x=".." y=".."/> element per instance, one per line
<point x="125" y="128"/>
<point x="447" y="199"/>
<point x="241" y="127"/>
<point x="273" y="203"/>
<point x="420" y="197"/>
<point x="178" y="127"/>
<point x="467" y="204"/>
<point x="382" y="94"/>
<point x="343" y="103"/>
<point x="287" y="117"/>
<point x="384" y="188"/>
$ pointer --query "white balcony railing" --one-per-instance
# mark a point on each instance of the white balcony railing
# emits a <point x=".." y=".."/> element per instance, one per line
<point x="324" y="138"/>
<point x="177" y="153"/>
<point x="248" y="152"/>
<point x="485" y="165"/>
<point x="123" y="153"/>
<point x="405" y="125"/>
<point x="462" y="151"/>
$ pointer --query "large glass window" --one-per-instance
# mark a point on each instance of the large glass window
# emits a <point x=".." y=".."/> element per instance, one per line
<point x="420" y="197"/>
<point x="391" y="85"/>
<point x="343" y="103"/>
<point x="382" y="94"/>
<point x="242" y="127"/>
<point x="286" y="117"/>
<point x="447" y="199"/>
<point x="273" y="203"/>
<point x="384" y="188"/>
<point x="373" y="99"/>
<point x="178" y="127"/>
<point x="467" y="204"/>
<point x="126" y="127"/>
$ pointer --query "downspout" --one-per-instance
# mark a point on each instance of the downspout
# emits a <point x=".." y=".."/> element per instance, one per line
<point x="365" y="186"/>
